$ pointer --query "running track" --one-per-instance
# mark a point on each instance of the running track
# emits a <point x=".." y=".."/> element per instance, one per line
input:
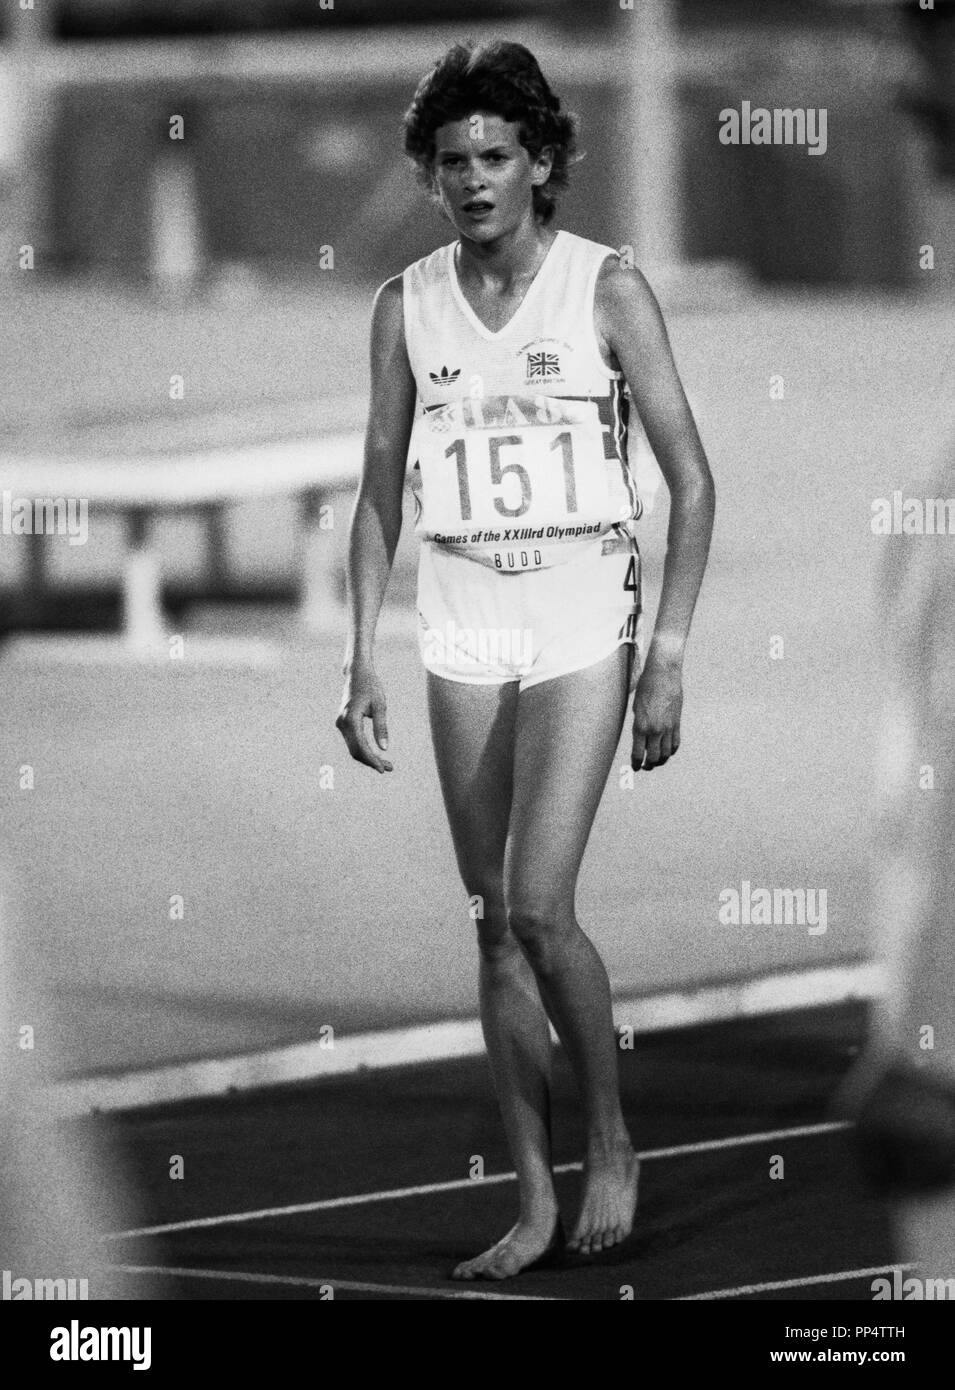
<point x="361" y="1185"/>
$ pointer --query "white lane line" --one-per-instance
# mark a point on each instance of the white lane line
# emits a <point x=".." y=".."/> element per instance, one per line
<point x="804" y="1283"/>
<point x="354" y="1285"/>
<point x="737" y="1140"/>
<point x="460" y="1184"/>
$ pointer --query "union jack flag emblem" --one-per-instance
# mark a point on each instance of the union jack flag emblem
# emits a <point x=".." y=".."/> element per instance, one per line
<point x="543" y="364"/>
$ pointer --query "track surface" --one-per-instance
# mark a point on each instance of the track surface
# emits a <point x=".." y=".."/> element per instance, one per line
<point x="711" y="1220"/>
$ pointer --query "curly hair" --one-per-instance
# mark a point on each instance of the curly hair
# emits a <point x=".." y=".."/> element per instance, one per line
<point x="504" y="79"/>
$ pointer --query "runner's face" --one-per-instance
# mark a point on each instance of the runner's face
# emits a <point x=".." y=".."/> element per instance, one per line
<point x="484" y="176"/>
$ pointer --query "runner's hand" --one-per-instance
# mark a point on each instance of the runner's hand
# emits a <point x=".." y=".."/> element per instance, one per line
<point x="657" y="702"/>
<point x="364" y="699"/>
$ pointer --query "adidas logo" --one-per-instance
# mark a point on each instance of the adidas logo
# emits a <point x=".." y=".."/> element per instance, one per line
<point x="444" y="377"/>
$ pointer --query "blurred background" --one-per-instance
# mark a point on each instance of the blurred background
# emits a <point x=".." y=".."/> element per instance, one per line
<point x="195" y="865"/>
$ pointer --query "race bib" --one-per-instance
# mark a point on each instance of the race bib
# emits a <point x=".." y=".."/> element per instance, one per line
<point x="497" y="469"/>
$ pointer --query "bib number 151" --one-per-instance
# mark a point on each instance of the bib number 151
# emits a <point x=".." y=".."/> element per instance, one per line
<point x="562" y="443"/>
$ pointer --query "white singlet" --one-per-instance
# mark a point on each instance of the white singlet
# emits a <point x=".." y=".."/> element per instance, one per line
<point x="519" y="446"/>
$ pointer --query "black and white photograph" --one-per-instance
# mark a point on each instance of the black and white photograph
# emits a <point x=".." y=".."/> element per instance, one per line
<point x="477" y="660"/>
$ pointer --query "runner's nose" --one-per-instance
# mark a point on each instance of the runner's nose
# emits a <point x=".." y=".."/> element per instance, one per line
<point x="474" y="181"/>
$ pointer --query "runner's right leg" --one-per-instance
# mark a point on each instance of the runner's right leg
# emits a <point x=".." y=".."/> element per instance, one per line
<point x="472" y="729"/>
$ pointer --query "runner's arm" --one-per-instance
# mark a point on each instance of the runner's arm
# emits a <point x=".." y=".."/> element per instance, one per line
<point x="376" y="525"/>
<point x="376" y="517"/>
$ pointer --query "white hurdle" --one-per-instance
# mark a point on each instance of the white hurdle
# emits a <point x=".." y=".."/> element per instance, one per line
<point x="141" y="488"/>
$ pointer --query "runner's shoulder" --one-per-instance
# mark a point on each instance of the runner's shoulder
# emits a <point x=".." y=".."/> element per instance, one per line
<point x="418" y="273"/>
<point x="389" y="293"/>
<point x="387" y="312"/>
<point x="620" y="284"/>
<point x="625" y="307"/>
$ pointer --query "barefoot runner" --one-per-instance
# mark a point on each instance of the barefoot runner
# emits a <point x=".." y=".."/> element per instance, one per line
<point x="502" y="361"/>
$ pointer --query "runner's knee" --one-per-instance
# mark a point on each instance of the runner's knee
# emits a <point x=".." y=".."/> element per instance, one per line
<point x="538" y="926"/>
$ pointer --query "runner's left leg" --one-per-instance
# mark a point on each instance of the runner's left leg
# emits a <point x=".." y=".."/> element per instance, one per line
<point x="567" y="733"/>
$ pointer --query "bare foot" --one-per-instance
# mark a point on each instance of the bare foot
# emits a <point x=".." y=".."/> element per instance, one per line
<point x="609" y="1200"/>
<point x="523" y="1244"/>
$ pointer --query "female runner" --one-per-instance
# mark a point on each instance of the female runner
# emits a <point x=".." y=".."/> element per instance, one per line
<point x="501" y="359"/>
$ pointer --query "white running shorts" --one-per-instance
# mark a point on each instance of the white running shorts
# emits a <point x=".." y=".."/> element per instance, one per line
<point x="484" y="627"/>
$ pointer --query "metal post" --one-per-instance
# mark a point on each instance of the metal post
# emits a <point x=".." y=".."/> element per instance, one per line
<point x="25" y="113"/>
<point x="143" y="624"/>
<point x="649" y="190"/>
